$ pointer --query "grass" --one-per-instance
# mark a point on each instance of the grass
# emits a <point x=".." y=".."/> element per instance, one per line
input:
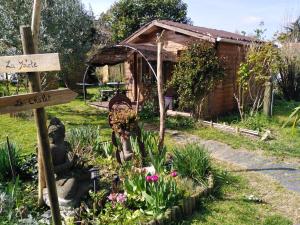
<point x="231" y="206"/>
<point x="286" y="141"/>
<point x="234" y="207"/>
<point x="73" y="114"/>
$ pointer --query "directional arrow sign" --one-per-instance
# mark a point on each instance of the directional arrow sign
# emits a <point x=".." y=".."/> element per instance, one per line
<point x="29" y="63"/>
<point x="35" y="100"/>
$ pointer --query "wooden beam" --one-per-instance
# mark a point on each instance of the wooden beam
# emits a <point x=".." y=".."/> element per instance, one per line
<point x="29" y="63"/>
<point x="43" y="139"/>
<point x="35" y="29"/>
<point x="35" y="22"/>
<point x="168" y="27"/>
<point x="160" y="90"/>
<point x="35" y="100"/>
<point x="183" y="31"/>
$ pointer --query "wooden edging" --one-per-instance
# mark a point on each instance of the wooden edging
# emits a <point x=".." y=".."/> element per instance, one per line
<point x="223" y="127"/>
<point x="184" y="209"/>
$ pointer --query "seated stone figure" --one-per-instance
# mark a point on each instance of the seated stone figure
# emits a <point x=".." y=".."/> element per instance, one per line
<point x="72" y="183"/>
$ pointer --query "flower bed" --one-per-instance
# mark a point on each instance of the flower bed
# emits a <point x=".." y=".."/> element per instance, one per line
<point x="165" y="186"/>
<point x="167" y="189"/>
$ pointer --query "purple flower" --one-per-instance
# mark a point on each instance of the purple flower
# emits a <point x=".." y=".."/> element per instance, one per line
<point x="148" y="178"/>
<point x="121" y="198"/>
<point x="174" y="173"/>
<point x="154" y="178"/>
<point x="112" y="197"/>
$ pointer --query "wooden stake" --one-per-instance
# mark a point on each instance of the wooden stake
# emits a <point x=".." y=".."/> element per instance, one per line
<point x="160" y="91"/>
<point x="10" y="158"/>
<point x="268" y="99"/>
<point x="35" y="29"/>
<point x="43" y="139"/>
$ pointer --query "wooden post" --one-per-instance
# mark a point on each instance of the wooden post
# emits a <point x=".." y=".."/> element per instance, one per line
<point x="160" y="90"/>
<point x="35" y="23"/>
<point x="268" y="99"/>
<point x="40" y="119"/>
<point x="35" y="29"/>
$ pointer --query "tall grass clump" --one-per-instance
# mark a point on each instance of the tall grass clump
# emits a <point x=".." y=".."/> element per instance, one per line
<point x="83" y="136"/>
<point x="192" y="161"/>
<point x="5" y="167"/>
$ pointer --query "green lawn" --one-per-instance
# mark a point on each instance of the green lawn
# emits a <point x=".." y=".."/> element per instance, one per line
<point x="76" y="113"/>
<point x="234" y="208"/>
<point x="285" y="142"/>
<point x="231" y="205"/>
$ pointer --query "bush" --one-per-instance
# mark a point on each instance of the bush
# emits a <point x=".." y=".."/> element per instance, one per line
<point x="256" y="122"/>
<point x="3" y="91"/>
<point x="179" y="122"/>
<point x="192" y="161"/>
<point x="28" y="167"/>
<point x="197" y="71"/>
<point x="149" y="110"/>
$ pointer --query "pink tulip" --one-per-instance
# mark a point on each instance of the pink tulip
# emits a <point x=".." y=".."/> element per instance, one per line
<point x="148" y="178"/>
<point x="174" y="173"/>
<point x="154" y="178"/>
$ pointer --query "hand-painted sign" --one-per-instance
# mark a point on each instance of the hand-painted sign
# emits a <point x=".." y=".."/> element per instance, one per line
<point x="35" y="100"/>
<point x="29" y="63"/>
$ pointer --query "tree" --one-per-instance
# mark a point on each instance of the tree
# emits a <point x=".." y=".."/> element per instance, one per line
<point x="195" y="74"/>
<point x="292" y="32"/>
<point x="126" y="16"/>
<point x="259" y="32"/>
<point x="288" y="79"/>
<point x="66" y="28"/>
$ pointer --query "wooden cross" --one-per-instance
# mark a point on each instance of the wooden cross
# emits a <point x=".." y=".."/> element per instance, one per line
<point x="37" y="100"/>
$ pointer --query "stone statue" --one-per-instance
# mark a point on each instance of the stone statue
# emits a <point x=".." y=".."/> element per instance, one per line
<point x="72" y="183"/>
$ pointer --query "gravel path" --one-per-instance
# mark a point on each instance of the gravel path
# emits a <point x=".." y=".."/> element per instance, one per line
<point x="287" y="174"/>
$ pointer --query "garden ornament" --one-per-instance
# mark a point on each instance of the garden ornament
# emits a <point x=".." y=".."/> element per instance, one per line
<point x="72" y="183"/>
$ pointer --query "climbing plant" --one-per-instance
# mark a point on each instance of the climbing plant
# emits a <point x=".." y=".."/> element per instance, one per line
<point x="260" y="66"/>
<point x="195" y="74"/>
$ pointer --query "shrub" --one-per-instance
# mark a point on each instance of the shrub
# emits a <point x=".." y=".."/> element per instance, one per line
<point x="28" y="167"/>
<point x="179" y="122"/>
<point x="195" y="74"/>
<point x="149" y="110"/>
<point x="192" y="161"/>
<point x="256" y="122"/>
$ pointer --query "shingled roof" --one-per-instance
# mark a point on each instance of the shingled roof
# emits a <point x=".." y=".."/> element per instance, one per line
<point x="209" y="34"/>
<point x="209" y="31"/>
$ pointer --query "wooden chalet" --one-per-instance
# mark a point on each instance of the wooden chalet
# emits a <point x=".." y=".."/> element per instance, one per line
<point x="139" y="49"/>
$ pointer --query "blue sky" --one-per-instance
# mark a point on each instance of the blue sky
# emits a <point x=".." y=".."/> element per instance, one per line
<point x="231" y="15"/>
